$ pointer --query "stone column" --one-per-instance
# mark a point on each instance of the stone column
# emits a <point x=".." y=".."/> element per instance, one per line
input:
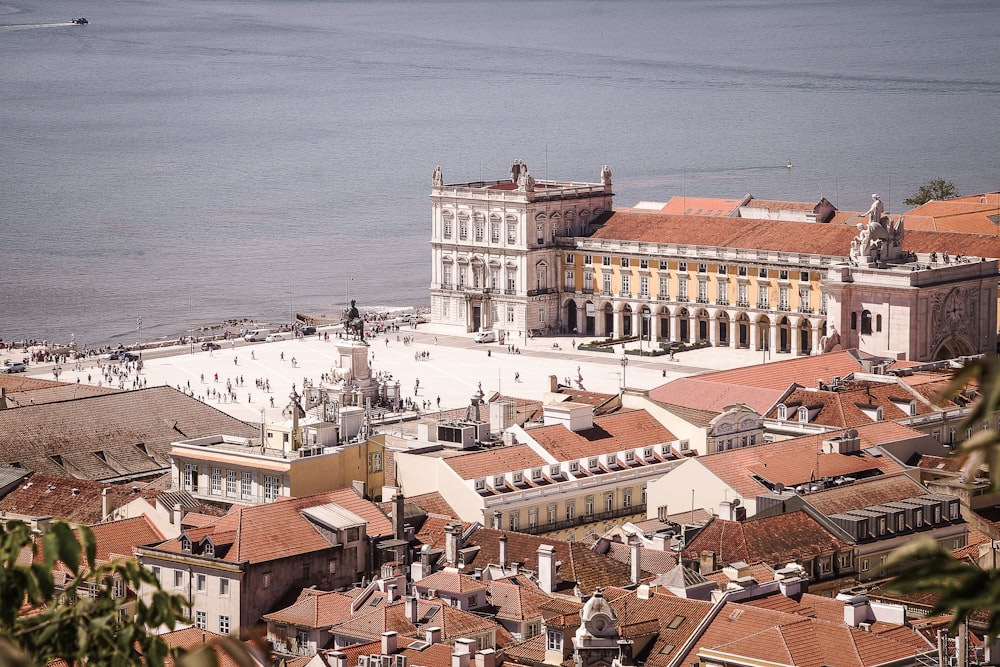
<point x="773" y="331"/>
<point x="816" y="335"/>
<point x="795" y="333"/>
<point x="754" y="336"/>
<point x="713" y="328"/>
<point x="617" y="323"/>
<point x="675" y="325"/>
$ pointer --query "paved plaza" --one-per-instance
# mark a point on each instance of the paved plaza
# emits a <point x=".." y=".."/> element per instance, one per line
<point x="450" y="367"/>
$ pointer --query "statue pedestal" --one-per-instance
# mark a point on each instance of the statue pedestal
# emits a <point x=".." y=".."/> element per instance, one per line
<point x="354" y="357"/>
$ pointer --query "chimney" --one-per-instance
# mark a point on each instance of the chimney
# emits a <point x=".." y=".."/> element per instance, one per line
<point x="856" y="610"/>
<point x="726" y="511"/>
<point x="503" y="550"/>
<point x="452" y="543"/>
<point x="547" y="568"/>
<point x="706" y="562"/>
<point x="397" y="516"/>
<point x="465" y="646"/>
<point x="433" y="635"/>
<point x="459" y="659"/>
<point x="177" y="515"/>
<point x="391" y="594"/>
<point x="105" y="502"/>
<point x="388" y="643"/>
<point x="553" y="384"/>
<point x="635" y="546"/>
<point x="411" y="608"/>
<point x="486" y="658"/>
<point x="339" y="658"/>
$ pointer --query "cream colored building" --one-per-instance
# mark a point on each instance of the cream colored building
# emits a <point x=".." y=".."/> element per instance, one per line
<point x="496" y="260"/>
<point x="575" y="475"/>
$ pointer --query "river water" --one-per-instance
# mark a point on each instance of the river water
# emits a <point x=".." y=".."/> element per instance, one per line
<point x="199" y="160"/>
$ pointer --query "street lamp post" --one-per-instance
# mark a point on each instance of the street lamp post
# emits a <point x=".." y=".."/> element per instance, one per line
<point x="624" y="363"/>
<point x="138" y="326"/>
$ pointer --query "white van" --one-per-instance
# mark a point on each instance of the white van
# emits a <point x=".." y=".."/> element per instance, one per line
<point x="486" y="337"/>
<point x="256" y="335"/>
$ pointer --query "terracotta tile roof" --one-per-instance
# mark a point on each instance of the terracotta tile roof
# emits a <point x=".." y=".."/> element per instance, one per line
<point x="433" y="503"/>
<point x="63" y="392"/>
<point x="114" y="540"/>
<point x="432" y="531"/>
<point x="799" y="460"/>
<point x="529" y="652"/>
<point x="603" y="403"/>
<point x="736" y="621"/>
<point x="976" y="214"/>
<point x="314" y="609"/>
<point x="103" y="437"/>
<point x="852" y="405"/>
<point x="865" y="493"/>
<point x="578" y="562"/>
<point x="831" y="240"/>
<point x="11" y="383"/>
<point x="775" y="540"/>
<point x="626" y="429"/>
<point x="514" y="601"/>
<point x="494" y="461"/>
<point x="430" y="612"/>
<point x="450" y="582"/>
<point x="191" y="638"/>
<point x="653" y="561"/>
<point x="260" y="533"/>
<point x="53" y="495"/>
<point x="806" y="604"/>
<point x="700" y="206"/>
<point x="760" y="571"/>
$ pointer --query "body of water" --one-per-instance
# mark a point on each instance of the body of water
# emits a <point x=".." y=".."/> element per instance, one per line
<point x="200" y="160"/>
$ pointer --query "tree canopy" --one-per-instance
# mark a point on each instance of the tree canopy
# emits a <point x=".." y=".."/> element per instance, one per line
<point x="937" y="188"/>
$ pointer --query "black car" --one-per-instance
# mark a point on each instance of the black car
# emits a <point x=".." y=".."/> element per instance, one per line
<point x="308" y="330"/>
<point x="129" y="356"/>
<point x="209" y="345"/>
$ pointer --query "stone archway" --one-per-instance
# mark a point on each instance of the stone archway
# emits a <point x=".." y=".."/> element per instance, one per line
<point x="763" y="333"/>
<point x="664" y="316"/>
<point x="722" y="328"/>
<point x="683" y="325"/>
<point x="609" y="320"/>
<point x="572" y="326"/>
<point x="627" y="327"/>
<point x="805" y="337"/>
<point x="645" y="324"/>
<point x="590" y="318"/>
<point x="743" y="331"/>
<point x="784" y="335"/>
<point x="953" y="346"/>
<point x="702" y="323"/>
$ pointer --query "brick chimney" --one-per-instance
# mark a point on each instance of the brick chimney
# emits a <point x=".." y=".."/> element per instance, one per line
<point x="547" y="568"/>
<point x="388" y="643"/>
<point x="397" y="516"/>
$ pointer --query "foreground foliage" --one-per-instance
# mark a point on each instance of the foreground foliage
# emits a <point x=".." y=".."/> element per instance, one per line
<point x="936" y="189"/>
<point x="83" y="622"/>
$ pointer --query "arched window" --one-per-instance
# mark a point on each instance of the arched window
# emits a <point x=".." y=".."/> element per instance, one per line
<point x="804" y="414"/>
<point x="878" y="322"/>
<point x="866" y="322"/>
<point x="782" y="411"/>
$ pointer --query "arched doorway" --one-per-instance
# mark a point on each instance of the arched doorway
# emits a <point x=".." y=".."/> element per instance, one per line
<point x="683" y="325"/>
<point x="763" y="333"/>
<point x="571" y="312"/>
<point x="954" y="346"/>
<point x="664" y="323"/>
<point x="627" y="320"/>
<point x="743" y="331"/>
<point x="703" y="320"/>
<point x="645" y="324"/>
<point x="609" y="320"/>
<point x="590" y="315"/>
<point x="723" y="328"/>
<point x="784" y="335"/>
<point x="805" y="337"/>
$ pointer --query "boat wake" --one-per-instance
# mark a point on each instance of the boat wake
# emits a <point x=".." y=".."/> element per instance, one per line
<point x="32" y="26"/>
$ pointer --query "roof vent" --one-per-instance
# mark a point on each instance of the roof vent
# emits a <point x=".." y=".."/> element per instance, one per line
<point x="75" y="492"/>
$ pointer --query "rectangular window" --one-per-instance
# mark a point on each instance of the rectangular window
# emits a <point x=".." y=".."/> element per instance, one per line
<point x="272" y="488"/>
<point x="156" y="572"/>
<point x="722" y="293"/>
<point x="191" y="476"/>
<point x="533" y="517"/>
<point x="570" y="511"/>
<point x="230" y="482"/>
<point x="588" y="281"/>
<point x="266" y="580"/>
<point x="447" y="228"/>
<point x="463" y="229"/>
<point x="624" y="262"/>
<point x="663" y="265"/>
<point x="178" y="578"/>
<point x="682" y="267"/>
<point x="495" y="232"/>
<point x="541" y="314"/>
<point x="762" y="273"/>
<point x="246" y="485"/>
<point x="723" y="269"/>
<point x="515" y="520"/>
<point x="609" y="502"/>
<point x="588" y="259"/>
<point x="644" y="286"/>
<point x="664" y="291"/>
<point x="551" y="513"/>
<point x="480" y="232"/>
<point x="703" y="268"/>
<point x="627" y="498"/>
<point x="553" y="640"/>
<point x="510" y="314"/>
<point x="741" y="271"/>
<point x="199" y="620"/>
<point x="606" y="287"/>
<point x="682" y="289"/>
<point x="643" y="263"/>
<point x="588" y="505"/>
<point x="570" y="259"/>
<point x="606" y="260"/>
<point x="511" y="232"/>
<point x="223" y="587"/>
<point x="224" y="625"/>
<point x="783" y="274"/>
<point x="804" y="276"/>
<point x="702" y="291"/>
<point x="783" y="298"/>
<point x="217" y="481"/>
<point x="540" y="228"/>
<point x="626" y="285"/>
<point x="570" y="281"/>
<point x="200" y="583"/>
<point x="762" y="296"/>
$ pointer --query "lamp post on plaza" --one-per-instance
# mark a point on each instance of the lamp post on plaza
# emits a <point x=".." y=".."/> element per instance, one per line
<point x="624" y="363"/>
<point x="138" y="326"/>
<point x="56" y="371"/>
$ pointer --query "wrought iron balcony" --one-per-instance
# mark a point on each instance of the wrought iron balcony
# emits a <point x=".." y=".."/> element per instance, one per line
<point x="584" y="519"/>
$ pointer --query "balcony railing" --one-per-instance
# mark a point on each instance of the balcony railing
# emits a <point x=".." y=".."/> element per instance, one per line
<point x="743" y="303"/>
<point x="583" y="519"/>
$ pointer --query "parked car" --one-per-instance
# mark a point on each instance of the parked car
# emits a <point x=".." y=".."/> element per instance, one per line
<point x="271" y="338"/>
<point x="13" y="367"/>
<point x="129" y="356"/>
<point x="114" y="355"/>
<point x="308" y="330"/>
<point x="209" y="345"/>
<point x="256" y="335"/>
<point x="486" y="337"/>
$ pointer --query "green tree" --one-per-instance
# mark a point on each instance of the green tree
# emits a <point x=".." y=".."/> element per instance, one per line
<point x="961" y="588"/>
<point x="81" y="623"/>
<point x="938" y="189"/>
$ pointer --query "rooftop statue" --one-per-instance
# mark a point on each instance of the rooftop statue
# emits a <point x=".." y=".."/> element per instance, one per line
<point x="606" y="175"/>
<point x="353" y="322"/>
<point x="516" y="169"/>
<point x="437" y="179"/>
<point x="881" y="239"/>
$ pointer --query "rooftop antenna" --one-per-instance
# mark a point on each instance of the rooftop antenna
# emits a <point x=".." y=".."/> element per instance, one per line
<point x="546" y="162"/>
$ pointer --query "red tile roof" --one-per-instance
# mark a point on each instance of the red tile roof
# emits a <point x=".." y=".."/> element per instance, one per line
<point x="430" y="612"/>
<point x="53" y="495"/>
<point x="626" y="429"/>
<point x="775" y="540"/>
<point x="699" y="206"/>
<point x="260" y="533"/>
<point x="514" y="601"/>
<point x="314" y="609"/>
<point x="853" y="403"/>
<point x="865" y="493"/>
<point x="800" y="460"/>
<point x="494" y="461"/>
<point x="450" y="582"/>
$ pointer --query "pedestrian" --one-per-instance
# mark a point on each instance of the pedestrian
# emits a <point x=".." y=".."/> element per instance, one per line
<point x="249" y="398"/>
<point x="439" y="402"/>
<point x="272" y="401"/>
<point x="489" y="353"/>
<point x="517" y="376"/>
<point x="236" y="361"/>
<point x="252" y="355"/>
<point x="435" y="340"/>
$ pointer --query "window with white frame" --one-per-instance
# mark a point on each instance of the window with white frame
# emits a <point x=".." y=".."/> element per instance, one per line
<point x="804" y="276"/>
<point x="626" y="497"/>
<point x="643" y="263"/>
<point x="606" y="287"/>
<point x="626" y="284"/>
<point x="480" y="484"/>
<point x="536" y="473"/>
<point x="533" y="517"/>
<point x="703" y="268"/>
<point x="540" y="228"/>
<point x="570" y="280"/>
<point x="510" y="314"/>
<point x="762" y="273"/>
<point x="588" y="281"/>
<point x="702" y="291"/>
<point x="480" y="230"/>
<point x="272" y="488"/>
<point x="630" y="456"/>
<point x="682" y="267"/>
<point x="199" y="620"/>
<point x="574" y="466"/>
<point x="446" y="307"/>
<point x="495" y="230"/>
<point x="783" y="274"/>
<point x="570" y="511"/>
<point x="644" y="286"/>
<point x="723" y="269"/>
<point x="663" y="265"/>
<point x="722" y="292"/>
<point x="682" y="289"/>
<point x="762" y="301"/>
<point x="611" y="459"/>
<point x="742" y="295"/>
<point x="498" y="480"/>
<point x="664" y="291"/>
<point x="551" y="513"/>
<point x="783" y="298"/>
<point x="217" y="480"/>
<point x="624" y="262"/>
<point x="609" y="501"/>
<point x="518" y="477"/>
<point x="511" y="232"/>
<point x="199" y="581"/>
<point x="606" y="260"/>
<point x="447" y="225"/>
<point x="223" y="625"/>
<point x="178" y="578"/>
<point x="463" y="227"/>
<point x="191" y="476"/>
<point x="541" y="314"/>
<point x="246" y="485"/>
<point x="515" y="519"/>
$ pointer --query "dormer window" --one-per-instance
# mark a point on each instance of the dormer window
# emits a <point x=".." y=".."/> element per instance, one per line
<point x="209" y="550"/>
<point x="782" y="412"/>
<point x="536" y="473"/>
<point x="630" y="456"/>
<point x="913" y="408"/>
<point x="185" y="544"/>
<point x="592" y="462"/>
<point x="611" y="459"/>
<point x="518" y="477"/>
<point x="480" y="484"/>
<point x="803" y="414"/>
<point x="574" y="466"/>
<point x="647" y="453"/>
<point x="498" y="481"/>
<point x="554" y="471"/>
